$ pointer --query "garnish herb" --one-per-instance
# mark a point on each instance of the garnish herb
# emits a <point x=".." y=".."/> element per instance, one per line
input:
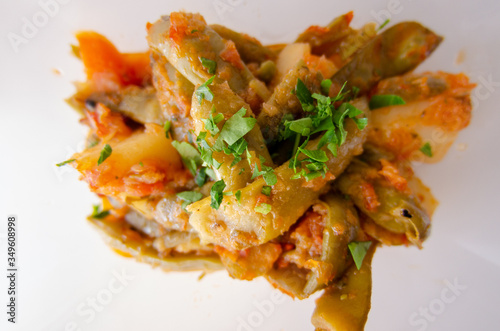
<point x="166" y="128"/>
<point x="211" y="123"/>
<point x="105" y="153"/>
<point x="65" y="162"/>
<point x="216" y="194"/>
<point x="189" y="197"/>
<point x="358" y="251"/>
<point x="263" y="208"/>
<point x="204" y="92"/>
<point x="236" y="127"/>
<point x="238" y="196"/>
<point x="383" y="24"/>
<point x="97" y="213"/>
<point x="209" y="64"/>
<point x="426" y="149"/>
<point x="266" y="190"/>
<point x="201" y="177"/>
<point x="266" y="172"/>
<point x="384" y="100"/>
<point x="189" y="155"/>
<point x="321" y="117"/>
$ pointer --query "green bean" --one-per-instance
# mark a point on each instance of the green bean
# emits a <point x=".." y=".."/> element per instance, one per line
<point x="283" y="101"/>
<point x="395" y="210"/>
<point x="112" y="232"/>
<point x="345" y="305"/>
<point x="341" y="226"/>
<point x="138" y="103"/>
<point x="174" y="93"/>
<point x="394" y="52"/>
<point x="227" y="103"/>
<point x="319" y="36"/>
<point x="250" y="49"/>
<point x="186" y="49"/>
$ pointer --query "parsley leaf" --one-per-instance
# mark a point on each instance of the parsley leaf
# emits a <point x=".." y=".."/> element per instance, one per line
<point x="236" y="127"/>
<point x="238" y="196"/>
<point x="105" y="153"/>
<point x="216" y="194"/>
<point x="189" y="197"/>
<point x="302" y="126"/>
<point x="379" y="101"/>
<point x="266" y="190"/>
<point x="358" y="251"/>
<point x="316" y="155"/>
<point x="345" y="109"/>
<point x="304" y="96"/>
<point x="209" y="64"/>
<point x="97" y="214"/>
<point x="65" y="162"/>
<point x="189" y="155"/>
<point x="325" y="86"/>
<point x="426" y="149"/>
<point x="383" y="24"/>
<point x="204" y="92"/>
<point x="263" y="208"/>
<point x="207" y="157"/>
<point x="201" y="177"/>
<point x="267" y="172"/>
<point x="166" y="128"/>
<point x="211" y="123"/>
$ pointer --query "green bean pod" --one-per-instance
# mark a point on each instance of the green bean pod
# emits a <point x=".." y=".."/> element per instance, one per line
<point x="395" y="51"/>
<point x="250" y="49"/>
<point x="341" y="226"/>
<point x="185" y="47"/>
<point x="346" y="304"/>
<point x="227" y="103"/>
<point x="395" y="210"/>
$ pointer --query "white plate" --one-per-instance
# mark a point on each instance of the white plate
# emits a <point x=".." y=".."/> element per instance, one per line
<point x="63" y="263"/>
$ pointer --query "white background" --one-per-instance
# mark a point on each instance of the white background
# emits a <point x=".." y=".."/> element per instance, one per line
<point x="63" y="262"/>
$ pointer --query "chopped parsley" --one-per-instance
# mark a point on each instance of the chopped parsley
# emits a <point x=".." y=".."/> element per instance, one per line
<point x="358" y="251"/>
<point x="325" y="86"/>
<point x="166" y="128"/>
<point x="322" y="117"/>
<point x="383" y="24"/>
<point x="238" y="196"/>
<point x="384" y="100"/>
<point x="97" y="213"/>
<point x="304" y="96"/>
<point x="209" y="64"/>
<point x="236" y="127"/>
<point x="65" y="162"/>
<point x="105" y="153"/>
<point x="263" y="208"/>
<point x="189" y="155"/>
<point x="204" y="92"/>
<point x="211" y="123"/>
<point x="189" y="197"/>
<point x="266" y="190"/>
<point x="216" y="194"/>
<point x="426" y="149"/>
<point x="201" y="177"/>
<point x="267" y="172"/>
